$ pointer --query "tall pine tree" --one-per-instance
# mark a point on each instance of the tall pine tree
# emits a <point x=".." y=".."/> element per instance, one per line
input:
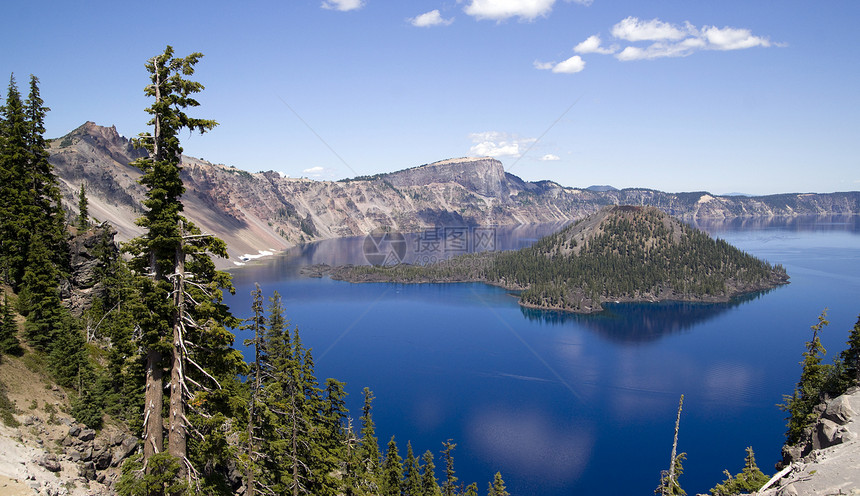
<point x="185" y="322"/>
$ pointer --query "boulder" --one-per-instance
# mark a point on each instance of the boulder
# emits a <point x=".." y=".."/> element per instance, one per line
<point x="87" y="435"/>
<point x="103" y="459"/>
<point x="828" y="433"/>
<point x="87" y="470"/>
<point x="126" y="447"/>
<point x="74" y="430"/>
<point x="49" y="462"/>
<point x="839" y="410"/>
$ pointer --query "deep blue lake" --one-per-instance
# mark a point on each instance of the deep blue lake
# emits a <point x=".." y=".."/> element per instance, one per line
<point x="567" y="404"/>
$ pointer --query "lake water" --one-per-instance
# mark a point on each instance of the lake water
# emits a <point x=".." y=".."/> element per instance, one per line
<point x="567" y="404"/>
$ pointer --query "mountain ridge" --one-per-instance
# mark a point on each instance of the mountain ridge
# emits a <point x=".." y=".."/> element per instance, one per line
<point x="266" y="212"/>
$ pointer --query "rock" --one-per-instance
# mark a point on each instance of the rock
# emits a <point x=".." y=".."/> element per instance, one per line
<point x="50" y="462"/>
<point x="87" y="435"/>
<point x="74" y="430"/>
<point x="839" y="410"/>
<point x="87" y="470"/>
<point x="126" y="447"/>
<point x="87" y="453"/>
<point x="102" y="459"/>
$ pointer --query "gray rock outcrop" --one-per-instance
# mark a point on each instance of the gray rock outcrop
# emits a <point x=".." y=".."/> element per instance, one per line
<point x="828" y="462"/>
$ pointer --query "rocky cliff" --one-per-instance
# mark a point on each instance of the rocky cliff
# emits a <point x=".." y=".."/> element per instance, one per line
<point x="264" y="211"/>
<point x="828" y="460"/>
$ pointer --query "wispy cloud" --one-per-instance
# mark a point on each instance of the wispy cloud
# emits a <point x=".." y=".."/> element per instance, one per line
<point x="671" y="40"/>
<point x="432" y="18"/>
<point x="499" y="10"/>
<point x="318" y="172"/>
<point x="633" y="29"/>
<point x="662" y="39"/>
<point x="549" y="157"/>
<point x="498" y="144"/>
<point x="342" y="5"/>
<point x="570" y="66"/>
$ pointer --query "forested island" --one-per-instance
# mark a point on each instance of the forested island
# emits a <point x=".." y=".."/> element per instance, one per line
<point x="621" y="253"/>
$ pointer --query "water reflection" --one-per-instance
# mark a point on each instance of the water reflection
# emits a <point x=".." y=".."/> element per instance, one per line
<point x="425" y="246"/>
<point x="632" y="323"/>
<point x="807" y="223"/>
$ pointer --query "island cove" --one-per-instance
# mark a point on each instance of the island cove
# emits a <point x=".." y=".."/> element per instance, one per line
<point x="619" y="254"/>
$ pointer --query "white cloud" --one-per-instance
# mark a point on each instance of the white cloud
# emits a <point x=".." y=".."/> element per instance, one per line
<point x="432" y="18"/>
<point x="592" y="45"/>
<point x="732" y="38"/>
<point x="633" y="29"/>
<point x="496" y="144"/>
<point x="672" y="40"/>
<point x="662" y="49"/>
<point x="570" y="66"/>
<point x="499" y="10"/>
<point x="549" y="157"/>
<point x="342" y="5"/>
<point x="317" y="172"/>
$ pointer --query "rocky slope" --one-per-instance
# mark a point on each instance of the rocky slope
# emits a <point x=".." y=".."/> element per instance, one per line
<point x="828" y="462"/>
<point x="49" y="453"/>
<point x="264" y="211"/>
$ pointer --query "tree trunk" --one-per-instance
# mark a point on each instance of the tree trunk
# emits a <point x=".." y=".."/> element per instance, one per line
<point x="153" y="435"/>
<point x="177" y="442"/>
<point x="675" y="449"/>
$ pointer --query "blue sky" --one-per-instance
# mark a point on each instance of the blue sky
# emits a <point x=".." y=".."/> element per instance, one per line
<point x="725" y="96"/>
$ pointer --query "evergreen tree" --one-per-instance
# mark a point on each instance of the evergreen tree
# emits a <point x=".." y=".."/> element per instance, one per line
<point x="259" y="367"/>
<point x="368" y="450"/>
<point x="429" y="485"/>
<point x="83" y="209"/>
<point x="450" y="484"/>
<point x="750" y="480"/>
<point x="497" y="487"/>
<point x="670" y="485"/>
<point x="14" y="234"/>
<point x="392" y="471"/>
<point x="801" y="404"/>
<point x="850" y="358"/>
<point x="471" y="489"/>
<point x="40" y="297"/>
<point x="411" y="473"/>
<point x="185" y="319"/>
<point x="9" y="344"/>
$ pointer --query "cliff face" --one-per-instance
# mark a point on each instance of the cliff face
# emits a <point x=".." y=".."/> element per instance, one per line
<point x="827" y="462"/>
<point x="264" y="211"/>
<point x="483" y="176"/>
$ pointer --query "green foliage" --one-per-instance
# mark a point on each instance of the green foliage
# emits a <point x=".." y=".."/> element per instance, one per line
<point x="674" y="487"/>
<point x="471" y="489"/>
<point x="411" y="483"/>
<point x="7" y="409"/>
<point x="392" y="471"/>
<point x="631" y="253"/>
<point x="83" y="209"/>
<point x="429" y="485"/>
<point x="497" y="487"/>
<point x="850" y="359"/>
<point x="808" y="391"/>
<point x="161" y="476"/>
<point x="449" y="487"/>
<point x="9" y="344"/>
<point x="750" y="480"/>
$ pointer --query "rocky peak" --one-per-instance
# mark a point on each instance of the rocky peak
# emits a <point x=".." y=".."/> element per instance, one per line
<point x="484" y="176"/>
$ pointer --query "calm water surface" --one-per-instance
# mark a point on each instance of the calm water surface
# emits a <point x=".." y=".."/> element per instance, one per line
<point x="567" y="404"/>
